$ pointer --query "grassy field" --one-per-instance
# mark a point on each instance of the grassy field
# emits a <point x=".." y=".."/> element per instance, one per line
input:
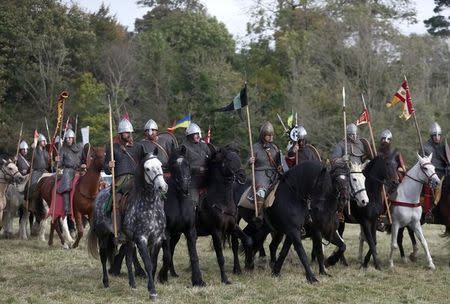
<point x="31" y="272"/>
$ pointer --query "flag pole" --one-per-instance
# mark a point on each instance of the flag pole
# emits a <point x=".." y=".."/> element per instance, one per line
<point x="415" y="120"/>
<point x="76" y="127"/>
<point x="113" y="182"/>
<point x="296" y="124"/>
<point x="369" y="122"/>
<point x="345" y="134"/>
<point x="18" y="144"/>
<point x="253" y="164"/>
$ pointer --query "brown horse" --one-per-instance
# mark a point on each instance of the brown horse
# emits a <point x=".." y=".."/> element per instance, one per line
<point x="87" y="188"/>
<point x="83" y="196"/>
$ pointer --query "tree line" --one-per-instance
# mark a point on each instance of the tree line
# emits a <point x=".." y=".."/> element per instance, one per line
<point x="297" y="56"/>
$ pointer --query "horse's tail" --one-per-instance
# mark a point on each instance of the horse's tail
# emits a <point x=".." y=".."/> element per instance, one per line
<point x="92" y="244"/>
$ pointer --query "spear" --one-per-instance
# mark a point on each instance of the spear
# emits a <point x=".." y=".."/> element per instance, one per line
<point x="345" y="133"/>
<point x="76" y="127"/>
<point x="113" y="182"/>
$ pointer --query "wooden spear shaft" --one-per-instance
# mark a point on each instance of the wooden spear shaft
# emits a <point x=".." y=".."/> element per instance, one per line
<point x="18" y="144"/>
<point x="253" y="164"/>
<point x="345" y="134"/>
<point x="113" y="182"/>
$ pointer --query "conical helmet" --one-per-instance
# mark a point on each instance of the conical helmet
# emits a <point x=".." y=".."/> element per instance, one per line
<point x="352" y="129"/>
<point x="266" y="129"/>
<point x="150" y="125"/>
<point x="435" y="129"/>
<point x="125" y="126"/>
<point x="386" y="134"/>
<point x="23" y="145"/>
<point x="42" y="138"/>
<point x="69" y="133"/>
<point x="192" y="129"/>
<point x="302" y="133"/>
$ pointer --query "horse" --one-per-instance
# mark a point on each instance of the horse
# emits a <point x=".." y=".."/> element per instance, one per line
<point x="87" y="188"/>
<point x="180" y="218"/>
<point x="379" y="172"/>
<point x="143" y="221"/>
<point x="406" y="208"/>
<point x="217" y="213"/>
<point x="14" y="202"/>
<point x="9" y="175"/>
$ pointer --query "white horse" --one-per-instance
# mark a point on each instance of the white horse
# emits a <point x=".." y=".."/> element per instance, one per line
<point x="9" y="174"/>
<point x="14" y="200"/>
<point x="406" y="208"/>
<point x="358" y="184"/>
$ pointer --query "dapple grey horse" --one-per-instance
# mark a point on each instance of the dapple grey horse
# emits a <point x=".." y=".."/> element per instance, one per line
<point x="406" y="208"/>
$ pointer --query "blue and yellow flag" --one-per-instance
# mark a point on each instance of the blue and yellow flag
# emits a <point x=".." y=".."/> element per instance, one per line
<point x="182" y="123"/>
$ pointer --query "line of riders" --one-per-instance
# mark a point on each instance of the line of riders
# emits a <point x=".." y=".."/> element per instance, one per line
<point x="267" y="160"/>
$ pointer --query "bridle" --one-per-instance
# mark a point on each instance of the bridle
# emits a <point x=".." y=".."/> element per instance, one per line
<point x="354" y="192"/>
<point x="6" y="173"/>
<point x="422" y="168"/>
<point x="152" y="180"/>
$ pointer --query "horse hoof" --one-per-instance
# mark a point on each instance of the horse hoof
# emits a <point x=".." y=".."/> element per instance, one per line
<point x="199" y="283"/>
<point x="65" y="246"/>
<point x="237" y="271"/>
<point x="153" y="297"/>
<point x="431" y="267"/>
<point x="140" y="273"/>
<point x="312" y="279"/>
<point x="412" y="258"/>
<point x="106" y="284"/>
<point x="227" y="282"/>
<point x="174" y="274"/>
<point x="162" y="278"/>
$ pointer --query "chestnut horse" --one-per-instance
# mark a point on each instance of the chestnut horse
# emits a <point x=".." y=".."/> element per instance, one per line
<point x="87" y="188"/>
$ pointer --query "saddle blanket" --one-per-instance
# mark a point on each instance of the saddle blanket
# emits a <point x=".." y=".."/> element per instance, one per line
<point x="56" y="209"/>
<point x="268" y="202"/>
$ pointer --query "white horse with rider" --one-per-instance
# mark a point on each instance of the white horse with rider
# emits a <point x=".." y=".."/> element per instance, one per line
<point x="405" y="202"/>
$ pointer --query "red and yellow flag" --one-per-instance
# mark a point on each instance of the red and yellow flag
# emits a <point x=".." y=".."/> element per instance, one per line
<point x="363" y="118"/>
<point x="403" y="95"/>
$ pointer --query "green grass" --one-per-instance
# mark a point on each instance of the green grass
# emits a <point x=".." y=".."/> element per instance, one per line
<point x="32" y="272"/>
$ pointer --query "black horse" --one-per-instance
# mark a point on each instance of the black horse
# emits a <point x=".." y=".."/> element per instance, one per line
<point x="378" y="172"/>
<point x="217" y="213"/>
<point x="306" y="184"/>
<point x="143" y="221"/>
<point x="323" y="220"/>
<point x="180" y="218"/>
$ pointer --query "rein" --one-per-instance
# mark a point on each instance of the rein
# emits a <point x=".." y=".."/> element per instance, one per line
<point x="354" y="193"/>
<point x="422" y="166"/>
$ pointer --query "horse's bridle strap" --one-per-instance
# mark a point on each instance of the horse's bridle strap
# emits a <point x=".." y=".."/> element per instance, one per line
<point x="403" y="204"/>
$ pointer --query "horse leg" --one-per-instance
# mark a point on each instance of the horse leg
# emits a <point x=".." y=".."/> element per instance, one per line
<point x="138" y="270"/>
<point x="235" y="248"/>
<point x="400" y="243"/>
<point x="117" y="263"/>
<point x="361" y="246"/>
<point x="371" y="240"/>
<point x="340" y="230"/>
<point x="394" y="245"/>
<point x="173" y="243"/>
<point x="219" y="254"/>
<point x="104" y="259"/>
<point x="336" y="255"/>
<point x="23" y="225"/>
<point x="80" y="228"/>
<point x="153" y="253"/>
<point x="419" y="233"/>
<point x="318" y="250"/>
<point x="129" y="262"/>
<point x="276" y="268"/>
<point x="163" y="272"/>
<point x="298" y="246"/>
<point x="42" y="228"/>
<point x="145" y="255"/>
<point x="277" y="238"/>
<point x="191" y="239"/>
<point x="413" y="255"/>
<point x="65" y="230"/>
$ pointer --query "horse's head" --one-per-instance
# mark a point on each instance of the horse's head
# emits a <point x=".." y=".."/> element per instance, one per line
<point x="230" y="163"/>
<point x="340" y="174"/>
<point x="357" y="184"/>
<point x="11" y="173"/>
<point x="181" y="170"/>
<point x="383" y="169"/>
<point x="427" y="173"/>
<point x="95" y="156"/>
<point x="153" y="172"/>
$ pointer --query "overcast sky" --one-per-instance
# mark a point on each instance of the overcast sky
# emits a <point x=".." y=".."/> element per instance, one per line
<point x="234" y="13"/>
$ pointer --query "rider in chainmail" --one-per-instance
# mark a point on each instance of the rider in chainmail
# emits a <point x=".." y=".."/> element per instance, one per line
<point x="22" y="163"/>
<point x="124" y="164"/>
<point x="440" y="161"/>
<point x="198" y="155"/>
<point x="358" y="149"/>
<point x="266" y="160"/>
<point x="40" y="164"/>
<point x="70" y="156"/>
<point x="301" y="151"/>
<point x="151" y="141"/>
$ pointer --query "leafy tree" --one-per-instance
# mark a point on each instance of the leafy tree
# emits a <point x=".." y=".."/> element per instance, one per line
<point x="439" y="25"/>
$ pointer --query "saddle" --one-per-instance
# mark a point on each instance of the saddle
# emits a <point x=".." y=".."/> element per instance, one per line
<point x="268" y="202"/>
<point x="57" y="206"/>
